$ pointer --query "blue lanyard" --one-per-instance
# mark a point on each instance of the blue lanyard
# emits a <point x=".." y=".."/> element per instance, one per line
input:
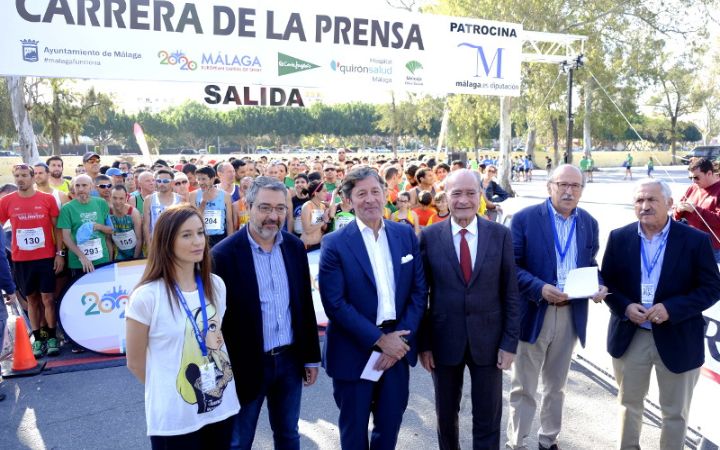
<point x="199" y="336"/>
<point x="650" y="267"/>
<point x="562" y="252"/>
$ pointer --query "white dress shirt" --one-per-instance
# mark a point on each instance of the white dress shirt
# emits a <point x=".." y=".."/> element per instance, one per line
<point x="382" y="266"/>
<point x="470" y="237"/>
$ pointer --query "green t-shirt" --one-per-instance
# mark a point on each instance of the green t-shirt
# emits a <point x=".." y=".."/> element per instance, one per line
<point x="586" y="164"/>
<point x="289" y="183"/>
<point x="73" y="215"/>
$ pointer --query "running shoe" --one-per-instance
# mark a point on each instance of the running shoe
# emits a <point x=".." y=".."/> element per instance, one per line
<point x="38" y="348"/>
<point x="53" y="347"/>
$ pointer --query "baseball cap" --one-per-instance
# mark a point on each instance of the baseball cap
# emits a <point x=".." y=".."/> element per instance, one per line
<point x="114" y="172"/>
<point x="89" y="155"/>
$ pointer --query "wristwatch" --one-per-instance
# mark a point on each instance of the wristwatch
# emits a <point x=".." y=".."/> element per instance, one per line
<point x="60" y="253"/>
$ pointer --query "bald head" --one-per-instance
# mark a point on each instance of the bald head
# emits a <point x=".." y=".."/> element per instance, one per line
<point x="82" y="185"/>
<point x="565" y="187"/>
<point x="462" y="175"/>
<point x="564" y="169"/>
<point x="82" y="179"/>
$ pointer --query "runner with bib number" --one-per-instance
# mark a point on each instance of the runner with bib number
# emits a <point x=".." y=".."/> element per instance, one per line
<point x="214" y="205"/>
<point x="36" y="254"/>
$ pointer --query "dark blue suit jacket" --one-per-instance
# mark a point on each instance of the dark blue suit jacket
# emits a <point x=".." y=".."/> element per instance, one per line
<point x="349" y="295"/>
<point x="689" y="284"/>
<point x="242" y="324"/>
<point x="534" y="246"/>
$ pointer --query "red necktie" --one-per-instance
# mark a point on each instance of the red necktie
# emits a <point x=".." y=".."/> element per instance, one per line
<point x="465" y="260"/>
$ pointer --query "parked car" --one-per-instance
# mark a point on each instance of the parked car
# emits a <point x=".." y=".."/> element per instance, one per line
<point x="9" y="153"/>
<point x="712" y="152"/>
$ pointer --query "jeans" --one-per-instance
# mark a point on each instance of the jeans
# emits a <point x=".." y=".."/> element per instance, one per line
<point x="282" y="385"/>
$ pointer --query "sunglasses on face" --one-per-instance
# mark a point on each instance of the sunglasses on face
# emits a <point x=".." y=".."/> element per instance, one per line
<point x="163" y="181"/>
<point x="104" y="186"/>
<point x="178" y="183"/>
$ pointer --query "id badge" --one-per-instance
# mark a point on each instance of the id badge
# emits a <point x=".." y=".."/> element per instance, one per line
<point x="207" y="377"/>
<point x="647" y="294"/>
<point x="562" y="277"/>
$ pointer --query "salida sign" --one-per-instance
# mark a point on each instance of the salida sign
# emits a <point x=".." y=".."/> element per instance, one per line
<point x="252" y="96"/>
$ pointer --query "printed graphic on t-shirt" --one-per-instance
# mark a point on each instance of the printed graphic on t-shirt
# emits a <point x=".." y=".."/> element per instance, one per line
<point x="202" y="380"/>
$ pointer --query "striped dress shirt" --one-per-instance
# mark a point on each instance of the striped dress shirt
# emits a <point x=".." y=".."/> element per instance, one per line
<point x="274" y="294"/>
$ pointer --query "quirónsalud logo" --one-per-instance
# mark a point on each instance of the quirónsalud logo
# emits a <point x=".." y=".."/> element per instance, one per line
<point x="289" y="64"/>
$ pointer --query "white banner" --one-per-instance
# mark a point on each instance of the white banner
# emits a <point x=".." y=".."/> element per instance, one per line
<point x="260" y="43"/>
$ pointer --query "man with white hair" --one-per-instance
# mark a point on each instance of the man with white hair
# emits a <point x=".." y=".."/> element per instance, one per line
<point x="550" y="239"/>
<point x="662" y="275"/>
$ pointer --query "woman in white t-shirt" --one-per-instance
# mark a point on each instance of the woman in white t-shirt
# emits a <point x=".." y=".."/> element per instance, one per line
<point x="174" y="341"/>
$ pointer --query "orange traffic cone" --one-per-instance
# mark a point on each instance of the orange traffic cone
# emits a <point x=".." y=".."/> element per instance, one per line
<point x="23" y="358"/>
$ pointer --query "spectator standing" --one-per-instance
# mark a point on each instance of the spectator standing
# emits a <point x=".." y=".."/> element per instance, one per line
<point x="552" y="323"/>
<point x="662" y="276"/>
<point x="270" y="325"/>
<point x="37" y="255"/>
<point x="700" y="205"/>
<point x="474" y="313"/>
<point x="175" y="344"/>
<point x="372" y="286"/>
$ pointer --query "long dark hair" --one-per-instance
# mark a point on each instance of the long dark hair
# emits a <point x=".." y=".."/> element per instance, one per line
<point x="161" y="257"/>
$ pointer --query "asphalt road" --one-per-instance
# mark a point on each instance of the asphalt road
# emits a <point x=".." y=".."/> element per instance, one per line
<point x="103" y="409"/>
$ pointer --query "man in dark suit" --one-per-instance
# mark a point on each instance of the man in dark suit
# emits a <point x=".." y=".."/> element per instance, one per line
<point x="550" y="240"/>
<point x="269" y="327"/>
<point x="373" y="289"/>
<point x="662" y="276"/>
<point x="474" y="315"/>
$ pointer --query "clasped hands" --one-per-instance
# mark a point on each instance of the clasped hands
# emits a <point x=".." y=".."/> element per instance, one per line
<point x="638" y="314"/>
<point x="394" y="348"/>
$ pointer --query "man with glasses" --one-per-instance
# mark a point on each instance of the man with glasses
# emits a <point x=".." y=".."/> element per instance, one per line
<point x="36" y="253"/>
<point x="159" y="201"/>
<point x="215" y="206"/>
<point x="55" y="165"/>
<point x="699" y="205"/>
<point x="269" y="326"/>
<point x="104" y="184"/>
<point x="549" y="240"/>
<point x="91" y="164"/>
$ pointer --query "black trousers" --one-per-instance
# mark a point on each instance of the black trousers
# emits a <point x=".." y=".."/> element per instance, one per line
<point x="486" y="395"/>
<point x="212" y="436"/>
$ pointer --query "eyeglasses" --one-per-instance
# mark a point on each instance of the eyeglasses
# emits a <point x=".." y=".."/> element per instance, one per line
<point x="329" y="168"/>
<point x="163" y="180"/>
<point x="178" y="183"/>
<point x="565" y="186"/>
<point x="104" y="186"/>
<point x="280" y="210"/>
